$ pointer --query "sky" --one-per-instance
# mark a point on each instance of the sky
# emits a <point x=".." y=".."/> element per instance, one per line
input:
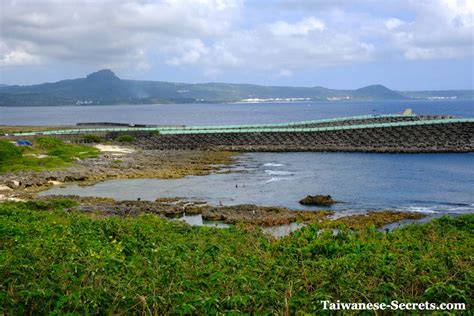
<point x="343" y="44"/>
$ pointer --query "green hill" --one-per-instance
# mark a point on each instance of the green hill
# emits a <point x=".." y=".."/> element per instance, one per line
<point x="377" y="92"/>
<point x="104" y="87"/>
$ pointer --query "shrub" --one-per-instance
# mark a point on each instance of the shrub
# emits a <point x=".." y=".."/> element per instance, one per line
<point x="49" y="142"/>
<point x="125" y="138"/>
<point x="9" y="152"/>
<point x="91" y="138"/>
<point x="55" y="261"/>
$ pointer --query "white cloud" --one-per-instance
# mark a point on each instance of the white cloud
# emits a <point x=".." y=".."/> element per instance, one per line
<point x="393" y="23"/>
<point x="284" y="73"/>
<point x="215" y="37"/>
<point x="441" y="29"/>
<point x="302" y="27"/>
<point x="190" y="52"/>
<point x="19" y="58"/>
<point x="304" y="44"/>
<point x="110" y="32"/>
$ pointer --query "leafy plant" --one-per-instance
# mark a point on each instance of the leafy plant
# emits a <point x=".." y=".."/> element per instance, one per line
<point x="53" y="260"/>
<point x="92" y="138"/>
<point x="125" y="138"/>
<point x="8" y="153"/>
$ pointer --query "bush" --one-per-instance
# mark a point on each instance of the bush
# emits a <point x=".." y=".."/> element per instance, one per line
<point x="8" y="152"/>
<point x="125" y="138"/>
<point x="49" y="142"/>
<point x="91" y="138"/>
<point x="60" y="262"/>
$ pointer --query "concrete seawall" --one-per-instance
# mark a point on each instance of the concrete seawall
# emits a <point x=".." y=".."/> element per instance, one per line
<point x="392" y="133"/>
<point x="455" y="137"/>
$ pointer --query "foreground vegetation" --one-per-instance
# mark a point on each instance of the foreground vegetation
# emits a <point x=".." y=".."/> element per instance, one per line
<point x="46" y="153"/>
<point x="56" y="261"/>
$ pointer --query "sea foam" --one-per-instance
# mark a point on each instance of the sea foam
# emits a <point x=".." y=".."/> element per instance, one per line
<point x="278" y="173"/>
<point x="271" y="164"/>
<point x="276" y="179"/>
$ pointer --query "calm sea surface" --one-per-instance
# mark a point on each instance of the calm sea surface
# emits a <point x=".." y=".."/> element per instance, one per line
<point x="209" y="114"/>
<point x="431" y="183"/>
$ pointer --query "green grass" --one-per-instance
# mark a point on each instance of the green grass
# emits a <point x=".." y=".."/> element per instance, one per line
<point x="60" y="262"/>
<point x="58" y="154"/>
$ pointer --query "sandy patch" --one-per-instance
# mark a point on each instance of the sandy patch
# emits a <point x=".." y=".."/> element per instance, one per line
<point x="55" y="182"/>
<point x="4" y="188"/>
<point x="37" y="156"/>
<point x="114" y="149"/>
<point x="4" y="198"/>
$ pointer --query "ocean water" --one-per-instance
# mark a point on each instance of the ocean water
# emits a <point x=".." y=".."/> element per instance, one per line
<point x="429" y="183"/>
<point x="213" y="114"/>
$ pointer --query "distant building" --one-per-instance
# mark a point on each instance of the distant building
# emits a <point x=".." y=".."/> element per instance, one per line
<point x="84" y="102"/>
<point x="259" y="100"/>
<point x="338" y="98"/>
<point x="407" y="112"/>
<point x="443" y="98"/>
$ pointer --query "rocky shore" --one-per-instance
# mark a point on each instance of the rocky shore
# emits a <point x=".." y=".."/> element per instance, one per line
<point x="120" y="164"/>
<point x="246" y="213"/>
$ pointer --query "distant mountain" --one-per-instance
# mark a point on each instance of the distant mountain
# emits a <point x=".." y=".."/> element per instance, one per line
<point x="377" y="92"/>
<point x="104" y="87"/>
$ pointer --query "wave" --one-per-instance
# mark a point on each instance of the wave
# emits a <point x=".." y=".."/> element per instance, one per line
<point x="418" y="209"/>
<point x="271" y="164"/>
<point x="276" y="179"/>
<point x="278" y="173"/>
<point x="440" y="203"/>
<point x="438" y="209"/>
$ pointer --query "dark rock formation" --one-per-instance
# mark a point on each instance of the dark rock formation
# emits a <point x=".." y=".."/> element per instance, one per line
<point x="322" y="200"/>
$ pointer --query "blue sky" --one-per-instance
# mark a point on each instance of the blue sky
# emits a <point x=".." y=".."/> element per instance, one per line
<point x="403" y="44"/>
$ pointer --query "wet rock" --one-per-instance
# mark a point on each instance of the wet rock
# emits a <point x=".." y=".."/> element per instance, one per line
<point x="261" y="215"/>
<point x="4" y="188"/>
<point x="13" y="184"/>
<point x="321" y="200"/>
<point x="377" y="218"/>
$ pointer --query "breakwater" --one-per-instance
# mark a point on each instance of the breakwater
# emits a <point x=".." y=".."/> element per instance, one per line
<point x="449" y="137"/>
<point x="384" y="133"/>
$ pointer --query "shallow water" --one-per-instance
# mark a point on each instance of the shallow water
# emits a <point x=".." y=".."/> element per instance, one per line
<point x="197" y="220"/>
<point x="429" y="183"/>
<point x="276" y="231"/>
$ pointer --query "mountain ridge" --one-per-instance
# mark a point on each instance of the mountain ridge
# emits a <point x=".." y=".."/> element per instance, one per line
<point x="104" y="87"/>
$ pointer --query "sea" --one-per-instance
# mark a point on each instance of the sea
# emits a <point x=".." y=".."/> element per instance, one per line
<point x="435" y="184"/>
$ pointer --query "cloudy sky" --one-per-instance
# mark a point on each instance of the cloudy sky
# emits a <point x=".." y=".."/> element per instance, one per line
<point x="403" y="44"/>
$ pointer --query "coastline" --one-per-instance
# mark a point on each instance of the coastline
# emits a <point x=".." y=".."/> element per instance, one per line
<point x="64" y="253"/>
<point x="118" y="161"/>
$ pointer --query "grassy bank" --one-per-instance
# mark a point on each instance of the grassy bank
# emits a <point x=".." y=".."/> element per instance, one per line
<point x="46" y="153"/>
<point x="51" y="260"/>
